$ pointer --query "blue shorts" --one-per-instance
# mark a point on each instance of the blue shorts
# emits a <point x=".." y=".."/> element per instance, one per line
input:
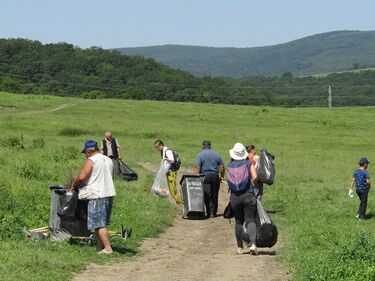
<point x="99" y="212"/>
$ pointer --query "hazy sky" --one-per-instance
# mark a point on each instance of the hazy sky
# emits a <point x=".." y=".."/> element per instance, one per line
<point x="218" y="23"/>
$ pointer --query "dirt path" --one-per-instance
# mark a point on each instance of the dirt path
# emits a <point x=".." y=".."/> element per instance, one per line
<point x="56" y="108"/>
<point x="193" y="250"/>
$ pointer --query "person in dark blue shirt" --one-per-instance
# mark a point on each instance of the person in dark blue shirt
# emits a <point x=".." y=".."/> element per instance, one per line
<point x="361" y="180"/>
<point x="211" y="165"/>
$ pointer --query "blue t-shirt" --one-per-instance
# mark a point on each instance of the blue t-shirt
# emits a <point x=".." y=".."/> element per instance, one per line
<point x="360" y="177"/>
<point x="208" y="161"/>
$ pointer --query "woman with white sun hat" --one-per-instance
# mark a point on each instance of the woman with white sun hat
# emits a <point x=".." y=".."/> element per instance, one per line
<point x="241" y="177"/>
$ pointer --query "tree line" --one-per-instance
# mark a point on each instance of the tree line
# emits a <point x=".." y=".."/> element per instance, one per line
<point x="29" y="67"/>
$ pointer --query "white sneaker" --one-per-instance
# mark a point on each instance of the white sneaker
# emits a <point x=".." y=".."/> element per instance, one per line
<point x="239" y="251"/>
<point x="253" y="250"/>
<point x="357" y="216"/>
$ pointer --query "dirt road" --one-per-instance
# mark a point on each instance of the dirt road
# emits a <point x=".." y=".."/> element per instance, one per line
<point x="193" y="250"/>
<point x="56" y="108"/>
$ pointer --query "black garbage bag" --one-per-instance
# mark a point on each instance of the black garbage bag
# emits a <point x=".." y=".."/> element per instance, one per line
<point x="126" y="173"/>
<point x="68" y="204"/>
<point x="265" y="167"/>
<point x="266" y="229"/>
<point x="228" y="212"/>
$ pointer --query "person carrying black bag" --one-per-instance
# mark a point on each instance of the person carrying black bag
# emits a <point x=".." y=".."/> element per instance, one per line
<point x="111" y="148"/>
<point x="241" y="176"/>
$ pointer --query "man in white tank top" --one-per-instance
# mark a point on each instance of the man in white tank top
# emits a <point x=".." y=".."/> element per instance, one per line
<point x="96" y="179"/>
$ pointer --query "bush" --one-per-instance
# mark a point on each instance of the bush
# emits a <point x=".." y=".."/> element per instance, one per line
<point x="38" y="143"/>
<point x="95" y="94"/>
<point x="14" y="142"/>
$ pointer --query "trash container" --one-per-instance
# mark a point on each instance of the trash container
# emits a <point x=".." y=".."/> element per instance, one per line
<point x="76" y="226"/>
<point x="192" y="196"/>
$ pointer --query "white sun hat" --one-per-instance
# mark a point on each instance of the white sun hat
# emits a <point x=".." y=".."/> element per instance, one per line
<point x="238" y="152"/>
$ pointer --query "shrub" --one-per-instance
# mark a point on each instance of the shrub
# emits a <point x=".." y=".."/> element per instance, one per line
<point x="14" y="142"/>
<point x="38" y="143"/>
<point x="95" y="94"/>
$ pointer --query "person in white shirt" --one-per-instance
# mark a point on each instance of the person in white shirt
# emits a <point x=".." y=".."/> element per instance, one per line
<point x="95" y="179"/>
<point x="167" y="157"/>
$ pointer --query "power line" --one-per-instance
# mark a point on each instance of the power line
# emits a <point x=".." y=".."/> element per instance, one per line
<point x="202" y="95"/>
<point x="201" y="86"/>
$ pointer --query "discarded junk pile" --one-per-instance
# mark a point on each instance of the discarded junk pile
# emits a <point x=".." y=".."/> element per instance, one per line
<point x="68" y="219"/>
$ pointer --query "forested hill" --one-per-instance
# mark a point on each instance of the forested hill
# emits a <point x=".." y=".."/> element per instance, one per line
<point x="326" y="52"/>
<point x="63" y="69"/>
<point x="30" y="67"/>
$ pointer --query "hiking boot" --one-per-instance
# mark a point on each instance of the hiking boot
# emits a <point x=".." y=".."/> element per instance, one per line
<point x="239" y="250"/>
<point x="253" y="250"/>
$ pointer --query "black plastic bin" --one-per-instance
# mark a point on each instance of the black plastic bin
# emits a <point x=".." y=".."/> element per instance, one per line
<point x="192" y="196"/>
<point x="76" y="226"/>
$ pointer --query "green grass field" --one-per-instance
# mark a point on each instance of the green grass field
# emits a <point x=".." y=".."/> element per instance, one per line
<point x="316" y="149"/>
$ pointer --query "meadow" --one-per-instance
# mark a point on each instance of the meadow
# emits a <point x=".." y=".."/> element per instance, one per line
<point x="316" y="149"/>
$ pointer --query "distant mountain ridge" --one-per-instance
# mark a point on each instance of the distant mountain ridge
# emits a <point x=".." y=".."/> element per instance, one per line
<point x="325" y="52"/>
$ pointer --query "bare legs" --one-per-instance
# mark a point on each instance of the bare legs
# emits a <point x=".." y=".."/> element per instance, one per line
<point x="102" y="240"/>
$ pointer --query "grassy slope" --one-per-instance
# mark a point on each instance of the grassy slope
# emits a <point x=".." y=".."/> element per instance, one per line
<point x="316" y="151"/>
<point x="48" y="157"/>
<point x="325" y="52"/>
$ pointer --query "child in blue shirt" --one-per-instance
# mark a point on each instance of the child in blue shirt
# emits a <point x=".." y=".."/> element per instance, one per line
<point x="361" y="179"/>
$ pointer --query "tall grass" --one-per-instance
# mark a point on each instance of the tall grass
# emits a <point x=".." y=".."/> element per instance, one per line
<point x="316" y="152"/>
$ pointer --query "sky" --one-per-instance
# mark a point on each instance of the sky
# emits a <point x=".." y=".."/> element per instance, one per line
<point x="215" y="23"/>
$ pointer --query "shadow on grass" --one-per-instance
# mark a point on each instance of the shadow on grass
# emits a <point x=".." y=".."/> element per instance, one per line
<point x="274" y="211"/>
<point x="369" y="216"/>
<point x="124" y="251"/>
<point x="119" y="249"/>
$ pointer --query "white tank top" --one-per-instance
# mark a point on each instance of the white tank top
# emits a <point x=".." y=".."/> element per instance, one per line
<point x="100" y="183"/>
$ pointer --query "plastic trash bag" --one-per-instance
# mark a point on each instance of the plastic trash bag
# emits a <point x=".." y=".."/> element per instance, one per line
<point x="265" y="167"/>
<point x="228" y="212"/>
<point x="68" y="204"/>
<point x="266" y="229"/>
<point x="126" y="173"/>
<point x="160" y="185"/>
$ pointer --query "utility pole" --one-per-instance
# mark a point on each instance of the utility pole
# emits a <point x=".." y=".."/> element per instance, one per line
<point x="329" y="97"/>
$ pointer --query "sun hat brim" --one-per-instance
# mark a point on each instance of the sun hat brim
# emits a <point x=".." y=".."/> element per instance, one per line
<point x="234" y="156"/>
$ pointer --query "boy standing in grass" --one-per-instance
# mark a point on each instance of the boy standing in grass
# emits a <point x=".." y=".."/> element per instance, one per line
<point x="361" y="179"/>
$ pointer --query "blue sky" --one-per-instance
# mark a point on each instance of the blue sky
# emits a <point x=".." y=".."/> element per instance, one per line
<point x="218" y="23"/>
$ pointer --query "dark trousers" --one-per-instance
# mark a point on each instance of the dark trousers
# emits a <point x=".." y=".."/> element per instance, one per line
<point x="244" y="209"/>
<point x="362" y="194"/>
<point x="211" y="186"/>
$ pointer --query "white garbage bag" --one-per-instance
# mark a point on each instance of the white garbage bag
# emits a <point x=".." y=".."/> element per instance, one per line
<point x="160" y="185"/>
